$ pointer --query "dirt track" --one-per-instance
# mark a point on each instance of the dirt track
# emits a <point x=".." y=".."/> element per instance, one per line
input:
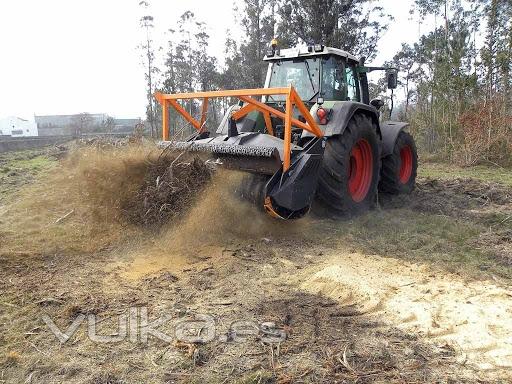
<point x="418" y="291"/>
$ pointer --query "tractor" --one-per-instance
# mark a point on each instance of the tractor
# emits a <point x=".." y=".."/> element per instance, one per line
<point x="310" y="137"/>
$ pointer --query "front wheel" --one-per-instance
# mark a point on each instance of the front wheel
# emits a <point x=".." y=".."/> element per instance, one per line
<point x="350" y="171"/>
<point x="400" y="168"/>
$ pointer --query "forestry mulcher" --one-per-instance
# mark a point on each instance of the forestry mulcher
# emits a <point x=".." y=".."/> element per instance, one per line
<point x="311" y="136"/>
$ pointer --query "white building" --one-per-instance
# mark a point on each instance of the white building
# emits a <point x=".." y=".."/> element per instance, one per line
<point x="16" y="127"/>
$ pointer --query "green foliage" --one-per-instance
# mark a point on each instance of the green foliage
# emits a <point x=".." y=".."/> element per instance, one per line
<point x="456" y="87"/>
<point x="188" y="68"/>
<point x="456" y="92"/>
<point x="352" y="25"/>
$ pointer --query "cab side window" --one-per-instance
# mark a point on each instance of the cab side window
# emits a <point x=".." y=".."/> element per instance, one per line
<point x="352" y="84"/>
<point x="334" y="86"/>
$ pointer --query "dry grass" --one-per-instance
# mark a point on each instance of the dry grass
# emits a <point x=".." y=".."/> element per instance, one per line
<point x="99" y="197"/>
<point x="12" y="358"/>
<point x="31" y="224"/>
<point x="21" y="168"/>
<point x="445" y="171"/>
<point x="251" y="271"/>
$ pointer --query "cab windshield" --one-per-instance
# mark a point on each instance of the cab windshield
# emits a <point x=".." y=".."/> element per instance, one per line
<point x="303" y="74"/>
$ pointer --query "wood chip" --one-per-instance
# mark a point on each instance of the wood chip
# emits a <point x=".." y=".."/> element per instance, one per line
<point x="64" y="217"/>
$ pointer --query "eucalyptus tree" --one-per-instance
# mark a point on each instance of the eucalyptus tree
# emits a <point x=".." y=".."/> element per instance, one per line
<point x="352" y="25"/>
<point x="151" y="70"/>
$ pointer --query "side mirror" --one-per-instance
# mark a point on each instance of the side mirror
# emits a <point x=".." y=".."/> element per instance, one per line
<point x="392" y="78"/>
<point x="377" y="103"/>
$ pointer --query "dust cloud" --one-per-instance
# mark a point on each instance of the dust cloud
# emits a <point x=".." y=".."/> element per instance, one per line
<point x="218" y="219"/>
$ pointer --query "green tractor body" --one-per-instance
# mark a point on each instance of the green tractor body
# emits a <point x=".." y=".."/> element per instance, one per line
<point x="339" y="169"/>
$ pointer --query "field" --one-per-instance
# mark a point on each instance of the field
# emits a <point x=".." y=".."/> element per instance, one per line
<point x="415" y="291"/>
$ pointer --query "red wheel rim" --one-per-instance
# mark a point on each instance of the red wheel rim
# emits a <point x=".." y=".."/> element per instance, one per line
<point x="406" y="164"/>
<point x="360" y="170"/>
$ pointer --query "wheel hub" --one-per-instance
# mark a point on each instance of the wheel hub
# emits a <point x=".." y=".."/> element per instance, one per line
<point x="360" y="170"/>
<point x="406" y="165"/>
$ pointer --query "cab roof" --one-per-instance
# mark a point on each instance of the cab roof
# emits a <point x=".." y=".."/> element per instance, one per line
<point x="309" y="51"/>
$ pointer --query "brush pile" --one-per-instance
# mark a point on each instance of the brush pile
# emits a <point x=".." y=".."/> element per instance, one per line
<point x="136" y="184"/>
<point x="172" y="182"/>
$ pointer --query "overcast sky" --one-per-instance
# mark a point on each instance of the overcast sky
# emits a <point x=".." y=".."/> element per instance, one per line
<point x="65" y="57"/>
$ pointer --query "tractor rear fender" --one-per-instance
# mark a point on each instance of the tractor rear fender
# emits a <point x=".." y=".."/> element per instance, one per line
<point x="390" y="131"/>
<point x="340" y="115"/>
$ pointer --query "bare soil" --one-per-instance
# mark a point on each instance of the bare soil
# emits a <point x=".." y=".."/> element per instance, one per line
<point x="417" y="291"/>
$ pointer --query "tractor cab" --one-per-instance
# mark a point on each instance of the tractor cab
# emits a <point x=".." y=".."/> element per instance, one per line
<point x="318" y="73"/>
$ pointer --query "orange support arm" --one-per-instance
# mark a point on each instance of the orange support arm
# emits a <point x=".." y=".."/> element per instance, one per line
<point x="184" y="113"/>
<point x="268" y="123"/>
<point x="216" y="94"/>
<point x="243" y="111"/>
<point x="165" y="120"/>
<point x="288" y="133"/>
<point x="292" y="100"/>
<point x="203" y="113"/>
<point x="264" y="107"/>
<point x="314" y="128"/>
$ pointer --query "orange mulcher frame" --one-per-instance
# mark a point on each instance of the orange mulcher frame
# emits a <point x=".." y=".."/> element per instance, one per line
<point x="292" y="99"/>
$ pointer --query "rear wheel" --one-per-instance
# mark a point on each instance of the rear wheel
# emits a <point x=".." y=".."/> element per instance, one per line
<point x="350" y="170"/>
<point x="399" y="169"/>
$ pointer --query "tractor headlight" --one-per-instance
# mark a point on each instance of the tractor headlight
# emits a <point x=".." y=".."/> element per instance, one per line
<point x="319" y="47"/>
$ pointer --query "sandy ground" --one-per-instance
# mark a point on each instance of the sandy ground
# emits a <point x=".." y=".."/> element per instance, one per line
<point x="316" y="301"/>
<point x="474" y="318"/>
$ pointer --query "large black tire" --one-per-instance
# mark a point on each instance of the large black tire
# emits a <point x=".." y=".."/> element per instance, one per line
<point x="349" y="175"/>
<point x="399" y="169"/>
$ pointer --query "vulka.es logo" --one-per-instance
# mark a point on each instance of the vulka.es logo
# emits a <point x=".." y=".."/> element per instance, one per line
<point x="136" y="327"/>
